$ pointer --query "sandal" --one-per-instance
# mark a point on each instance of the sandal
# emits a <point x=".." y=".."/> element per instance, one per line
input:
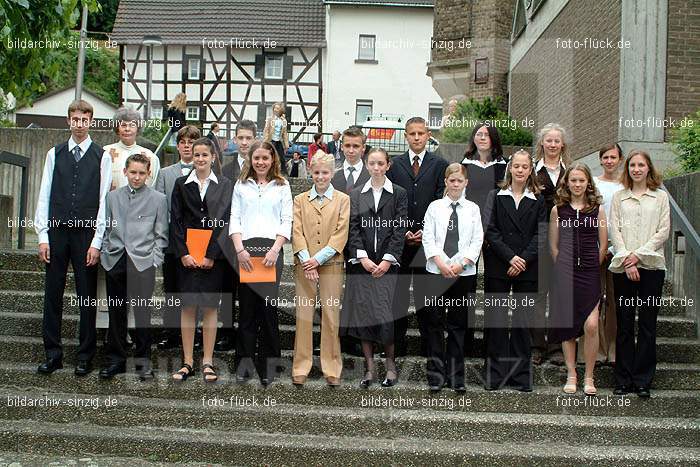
<point x="589" y="388"/>
<point x="209" y="376"/>
<point x="570" y="386"/>
<point x="183" y="375"/>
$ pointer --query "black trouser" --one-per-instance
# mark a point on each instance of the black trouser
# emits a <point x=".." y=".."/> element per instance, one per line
<point x="538" y="319"/>
<point x="508" y="351"/>
<point x="258" y="324"/>
<point x="70" y="245"/>
<point x="126" y="285"/>
<point x="410" y="267"/>
<point x="171" y="312"/>
<point x="282" y="155"/>
<point x="445" y="360"/>
<point x="636" y="364"/>
<point x="227" y="312"/>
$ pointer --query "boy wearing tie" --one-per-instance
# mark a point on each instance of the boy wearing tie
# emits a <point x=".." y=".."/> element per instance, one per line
<point x="135" y="237"/>
<point x="69" y="221"/>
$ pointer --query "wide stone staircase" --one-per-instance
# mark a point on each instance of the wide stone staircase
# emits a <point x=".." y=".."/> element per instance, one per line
<point x="74" y="421"/>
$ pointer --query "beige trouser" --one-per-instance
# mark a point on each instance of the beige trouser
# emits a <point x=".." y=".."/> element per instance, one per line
<point x="330" y="285"/>
<point x="607" y="323"/>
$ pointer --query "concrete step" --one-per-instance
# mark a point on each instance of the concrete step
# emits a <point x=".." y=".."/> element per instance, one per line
<point x="669" y="349"/>
<point x="252" y="414"/>
<point x="23" y="459"/>
<point x="406" y="395"/>
<point x="668" y="375"/>
<point x="178" y="444"/>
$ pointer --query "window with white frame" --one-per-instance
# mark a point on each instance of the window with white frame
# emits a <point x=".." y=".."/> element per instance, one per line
<point x="434" y="115"/>
<point x="157" y="113"/>
<point x="192" y="113"/>
<point x="274" y="67"/>
<point x="193" y="68"/>
<point x="366" y="47"/>
<point x="363" y="109"/>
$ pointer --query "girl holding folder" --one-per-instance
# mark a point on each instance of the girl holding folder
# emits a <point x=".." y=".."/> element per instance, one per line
<point x="199" y="213"/>
<point x="261" y="222"/>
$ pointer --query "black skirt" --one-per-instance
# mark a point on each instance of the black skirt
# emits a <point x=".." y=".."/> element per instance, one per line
<point x="201" y="287"/>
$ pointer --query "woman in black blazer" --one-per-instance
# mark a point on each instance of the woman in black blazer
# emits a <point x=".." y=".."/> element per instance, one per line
<point x="200" y="201"/>
<point x="376" y="239"/>
<point x="511" y="255"/>
<point x="551" y="159"/>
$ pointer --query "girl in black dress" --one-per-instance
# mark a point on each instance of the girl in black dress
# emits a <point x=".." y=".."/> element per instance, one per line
<point x="485" y="170"/>
<point x="511" y="259"/>
<point x="378" y="213"/>
<point x="578" y="239"/>
<point x="201" y="201"/>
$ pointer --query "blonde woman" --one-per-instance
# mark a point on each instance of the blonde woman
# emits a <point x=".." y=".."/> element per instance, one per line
<point x="275" y="132"/>
<point x="551" y="160"/>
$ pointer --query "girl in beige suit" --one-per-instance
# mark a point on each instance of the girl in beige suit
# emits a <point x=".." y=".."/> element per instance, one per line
<point x="319" y="235"/>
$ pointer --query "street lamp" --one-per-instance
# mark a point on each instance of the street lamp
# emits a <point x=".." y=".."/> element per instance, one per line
<point x="149" y="42"/>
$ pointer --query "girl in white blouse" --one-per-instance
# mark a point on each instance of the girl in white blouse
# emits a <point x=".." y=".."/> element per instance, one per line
<point x="261" y="223"/>
<point x="639" y="226"/>
<point x="452" y="239"/>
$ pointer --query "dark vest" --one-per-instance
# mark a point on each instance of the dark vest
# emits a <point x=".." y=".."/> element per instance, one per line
<point x="75" y="188"/>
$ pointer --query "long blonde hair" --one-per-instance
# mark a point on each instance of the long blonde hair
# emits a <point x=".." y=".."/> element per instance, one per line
<point x="591" y="196"/>
<point x="531" y="182"/>
<point x="539" y="148"/>
<point x="179" y="102"/>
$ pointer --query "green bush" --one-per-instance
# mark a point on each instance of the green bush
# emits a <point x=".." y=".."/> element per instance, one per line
<point x="685" y="140"/>
<point x="459" y="127"/>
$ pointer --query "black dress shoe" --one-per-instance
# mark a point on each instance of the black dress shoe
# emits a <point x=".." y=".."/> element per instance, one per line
<point x="523" y="388"/>
<point x="144" y="372"/>
<point x="459" y="389"/>
<point x="643" y="392"/>
<point x="265" y="382"/>
<point x="388" y="382"/>
<point x="242" y="378"/>
<point x="83" y="368"/>
<point x="621" y="390"/>
<point x="224" y="344"/>
<point x="168" y="343"/>
<point x="50" y="365"/>
<point x="367" y="380"/>
<point x="111" y="371"/>
<point x="435" y="388"/>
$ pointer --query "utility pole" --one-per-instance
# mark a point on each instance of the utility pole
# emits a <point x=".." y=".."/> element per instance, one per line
<point x="81" y="55"/>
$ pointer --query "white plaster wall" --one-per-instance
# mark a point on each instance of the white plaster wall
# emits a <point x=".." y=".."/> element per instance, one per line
<point x="398" y="84"/>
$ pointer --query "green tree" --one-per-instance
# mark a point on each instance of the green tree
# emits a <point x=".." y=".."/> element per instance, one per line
<point x="32" y="20"/>
<point x="459" y="127"/>
<point x="685" y="140"/>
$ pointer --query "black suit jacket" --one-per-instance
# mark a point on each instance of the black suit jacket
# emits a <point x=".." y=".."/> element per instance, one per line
<point x="514" y="232"/>
<point x="232" y="170"/>
<point x="340" y="183"/>
<point x="422" y="190"/>
<point x="332" y="147"/>
<point x="548" y="190"/>
<point x="187" y="210"/>
<point x="365" y="220"/>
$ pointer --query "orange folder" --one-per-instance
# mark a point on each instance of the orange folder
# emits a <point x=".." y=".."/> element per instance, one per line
<point x="197" y="243"/>
<point x="260" y="272"/>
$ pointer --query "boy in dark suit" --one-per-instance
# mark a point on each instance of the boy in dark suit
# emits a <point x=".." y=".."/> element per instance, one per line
<point x="422" y="175"/>
<point x="353" y="172"/>
<point x="134" y="241"/>
<point x="244" y="137"/>
<point x="187" y="135"/>
<point x="69" y="221"/>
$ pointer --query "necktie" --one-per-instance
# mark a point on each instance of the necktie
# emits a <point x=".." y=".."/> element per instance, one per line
<point x="351" y="180"/>
<point x="452" y="237"/>
<point x="416" y="166"/>
<point x="76" y="153"/>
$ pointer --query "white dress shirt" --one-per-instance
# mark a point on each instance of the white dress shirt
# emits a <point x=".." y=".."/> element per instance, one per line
<point x="420" y="155"/>
<point x="377" y="194"/>
<point x="261" y="211"/>
<point x="41" y="217"/>
<point x="526" y="194"/>
<point x="471" y="233"/>
<point x="639" y="225"/>
<point x="122" y="154"/>
<point x="192" y="178"/>
<point x="553" y="173"/>
<point x="355" y="173"/>
<point x="607" y="190"/>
